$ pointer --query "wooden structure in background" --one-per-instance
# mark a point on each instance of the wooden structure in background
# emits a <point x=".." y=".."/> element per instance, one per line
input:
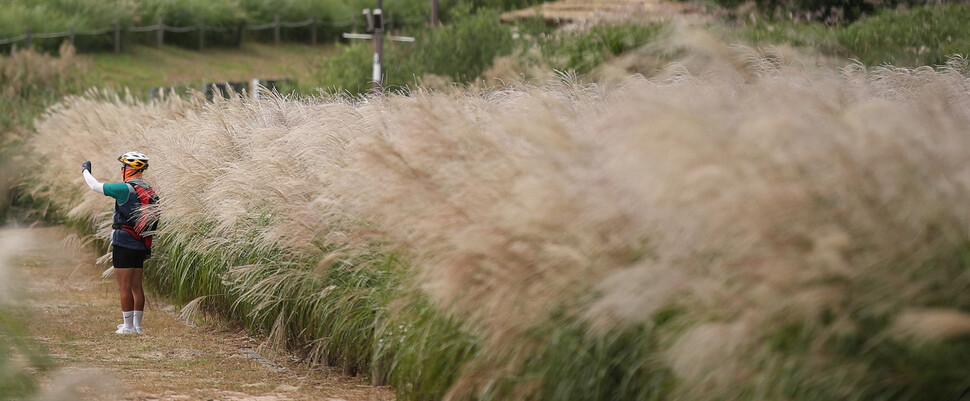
<point x="564" y="12"/>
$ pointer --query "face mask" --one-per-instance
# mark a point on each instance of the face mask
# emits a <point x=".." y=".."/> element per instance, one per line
<point x="127" y="173"/>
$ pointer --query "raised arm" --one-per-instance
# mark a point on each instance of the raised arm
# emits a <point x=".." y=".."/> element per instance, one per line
<point x="92" y="182"/>
<point x="117" y="190"/>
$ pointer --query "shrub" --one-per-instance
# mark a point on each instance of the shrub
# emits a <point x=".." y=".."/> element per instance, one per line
<point x="460" y="51"/>
<point x="582" y="51"/>
<point x="349" y="68"/>
<point x="50" y="16"/>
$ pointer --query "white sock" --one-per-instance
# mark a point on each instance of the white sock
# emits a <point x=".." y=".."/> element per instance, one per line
<point x="137" y="317"/>
<point x="129" y="315"/>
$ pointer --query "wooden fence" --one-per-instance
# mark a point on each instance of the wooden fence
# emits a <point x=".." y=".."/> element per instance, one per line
<point x="160" y="29"/>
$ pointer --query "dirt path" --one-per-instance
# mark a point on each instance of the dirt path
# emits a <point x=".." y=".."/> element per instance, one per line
<point x="73" y="312"/>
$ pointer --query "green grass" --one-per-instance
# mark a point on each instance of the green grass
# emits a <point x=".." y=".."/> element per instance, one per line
<point x="420" y="350"/>
<point x="619" y="365"/>
<point x="335" y="317"/>
<point x="921" y="36"/>
<point x="797" y="34"/>
<point x="358" y="315"/>
<point x="330" y="316"/>
<point x="904" y="37"/>
<point x="878" y="368"/>
<point x="145" y="67"/>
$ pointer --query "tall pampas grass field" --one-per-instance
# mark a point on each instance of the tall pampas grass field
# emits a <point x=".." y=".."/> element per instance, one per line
<point x="743" y="225"/>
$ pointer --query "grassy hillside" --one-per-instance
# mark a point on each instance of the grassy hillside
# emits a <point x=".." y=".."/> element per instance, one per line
<point x="144" y="67"/>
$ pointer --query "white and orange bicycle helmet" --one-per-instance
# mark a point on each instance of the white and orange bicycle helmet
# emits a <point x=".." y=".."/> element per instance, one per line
<point x="134" y="160"/>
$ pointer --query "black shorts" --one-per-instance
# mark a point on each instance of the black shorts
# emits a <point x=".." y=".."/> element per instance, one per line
<point x="127" y="258"/>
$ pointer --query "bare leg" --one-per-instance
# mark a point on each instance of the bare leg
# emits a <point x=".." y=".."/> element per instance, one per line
<point x="138" y="294"/>
<point x="124" y="286"/>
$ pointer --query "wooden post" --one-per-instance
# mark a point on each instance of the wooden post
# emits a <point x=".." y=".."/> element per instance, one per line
<point x="378" y="75"/>
<point x="160" y="35"/>
<point x="27" y="38"/>
<point x="375" y="24"/>
<point x="313" y="30"/>
<point x="70" y="34"/>
<point x="201" y="36"/>
<point x="276" y="30"/>
<point x="117" y="37"/>
<point x="434" y="13"/>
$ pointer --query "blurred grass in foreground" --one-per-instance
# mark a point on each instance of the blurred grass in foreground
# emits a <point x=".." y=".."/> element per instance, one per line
<point x="21" y="360"/>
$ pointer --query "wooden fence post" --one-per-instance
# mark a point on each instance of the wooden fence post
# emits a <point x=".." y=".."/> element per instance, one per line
<point x="313" y="30"/>
<point x="160" y="35"/>
<point x="117" y="37"/>
<point x="201" y="36"/>
<point x="70" y="35"/>
<point x="276" y="30"/>
<point x="27" y="38"/>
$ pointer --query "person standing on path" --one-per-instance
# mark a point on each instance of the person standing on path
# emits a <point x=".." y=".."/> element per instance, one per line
<point x="131" y="237"/>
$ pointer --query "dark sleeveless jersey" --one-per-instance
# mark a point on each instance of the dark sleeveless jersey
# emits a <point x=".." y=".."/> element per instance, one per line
<point x="133" y="225"/>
